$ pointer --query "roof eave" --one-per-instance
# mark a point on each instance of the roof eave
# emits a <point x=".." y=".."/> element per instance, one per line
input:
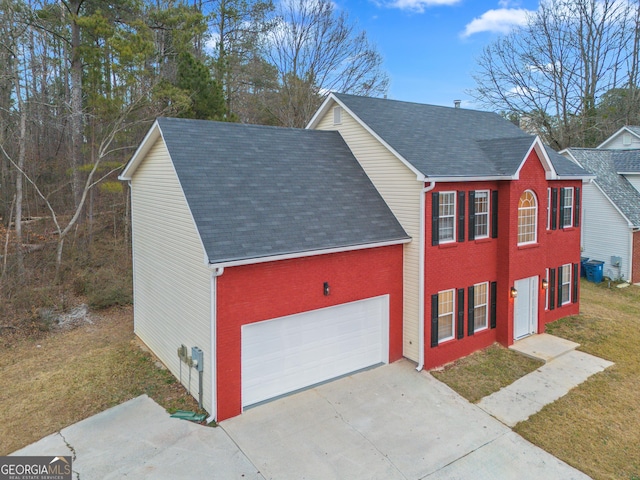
<point x="623" y="129"/>
<point x="307" y="253"/>
<point x="149" y="140"/>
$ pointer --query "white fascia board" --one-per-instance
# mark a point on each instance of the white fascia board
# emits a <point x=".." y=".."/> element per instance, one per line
<point x="332" y="98"/>
<point x="613" y="204"/>
<point x="538" y="146"/>
<point x="149" y="140"/>
<point x="320" y="112"/>
<point x="468" y="179"/>
<point x="310" y="253"/>
<point x="612" y="137"/>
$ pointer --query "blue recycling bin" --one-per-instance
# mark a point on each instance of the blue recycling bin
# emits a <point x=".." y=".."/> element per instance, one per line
<point x="583" y="266"/>
<point x="594" y="270"/>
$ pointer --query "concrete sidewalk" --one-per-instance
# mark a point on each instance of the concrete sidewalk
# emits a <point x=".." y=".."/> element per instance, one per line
<point x="565" y="368"/>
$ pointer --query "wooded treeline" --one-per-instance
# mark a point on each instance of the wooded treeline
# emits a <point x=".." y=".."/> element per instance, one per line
<point x="82" y="80"/>
<point x="571" y="74"/>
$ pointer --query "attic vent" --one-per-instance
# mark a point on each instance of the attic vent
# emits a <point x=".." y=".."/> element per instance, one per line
<point x="626" y="139"/>
<point x="337" y="115"/>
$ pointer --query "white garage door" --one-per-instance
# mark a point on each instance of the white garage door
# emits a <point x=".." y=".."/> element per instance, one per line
<point x="285" y="354"/>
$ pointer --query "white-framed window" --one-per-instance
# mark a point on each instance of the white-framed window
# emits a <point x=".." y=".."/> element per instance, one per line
<point x="567" y="208"/>
<point x="548" y="208"/>
<point x="626" y="139"/>
<point x="480" y="306"/>
<point x="566" y="284"/>
<point x="546" y="292"/>
<point x="447" y="217"/>
<point x="481" y="207"/>
<point x="337" y="115"/>
<point x="446" y="314"/>
<point x="527" y="218"/>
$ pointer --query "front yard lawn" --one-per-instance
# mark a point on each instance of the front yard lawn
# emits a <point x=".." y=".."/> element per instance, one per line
<point x="596" y="426"/>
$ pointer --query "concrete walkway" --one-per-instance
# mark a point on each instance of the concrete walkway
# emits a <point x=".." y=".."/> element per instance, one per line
<point x="564" y="369"/>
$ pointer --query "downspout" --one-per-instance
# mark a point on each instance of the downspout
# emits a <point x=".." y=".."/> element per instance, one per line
<point x="215" y="273"/>
<point x="421" y="270"/>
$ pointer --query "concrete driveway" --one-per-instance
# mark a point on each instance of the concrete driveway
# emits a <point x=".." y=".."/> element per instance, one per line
<point x="387" y="423"/>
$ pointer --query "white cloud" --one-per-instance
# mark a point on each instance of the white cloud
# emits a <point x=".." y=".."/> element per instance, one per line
<point x="502" y="20"/>
<point x="418" y="5"/>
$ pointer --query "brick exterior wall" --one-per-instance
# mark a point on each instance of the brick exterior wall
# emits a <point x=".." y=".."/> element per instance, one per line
<point x="459" y="265"/>
<point x="252" y="293"/>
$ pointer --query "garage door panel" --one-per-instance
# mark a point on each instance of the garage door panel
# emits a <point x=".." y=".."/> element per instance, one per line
<point x="289" y="353"/>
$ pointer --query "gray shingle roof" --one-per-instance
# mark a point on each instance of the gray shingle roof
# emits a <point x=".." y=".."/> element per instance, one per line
<point x="626" y="161"/>
<point x="602" y="163"/>
<point x="258" y="191"/>
<point x="449" y="142"/>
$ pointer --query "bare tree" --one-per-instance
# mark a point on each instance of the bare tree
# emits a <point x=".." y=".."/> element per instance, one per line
<point x="316" y="50"/>
<point x="553" y="70"/>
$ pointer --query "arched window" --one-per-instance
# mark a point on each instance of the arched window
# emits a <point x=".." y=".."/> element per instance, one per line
<point x="527" y="218"/>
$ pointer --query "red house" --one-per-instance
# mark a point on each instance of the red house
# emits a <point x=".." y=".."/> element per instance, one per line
<point x="267" y="259"/>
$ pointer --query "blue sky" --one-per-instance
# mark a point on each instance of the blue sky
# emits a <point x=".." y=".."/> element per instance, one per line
<point x="430" y="46"/>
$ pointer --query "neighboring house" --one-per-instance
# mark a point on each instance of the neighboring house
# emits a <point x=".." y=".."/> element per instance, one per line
<point x="290" y="257"/>
<point x="611" y="203"/>
<point x="627" y="138"/>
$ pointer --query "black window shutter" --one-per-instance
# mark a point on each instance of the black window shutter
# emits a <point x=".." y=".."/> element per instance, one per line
<point x="494" y="214"/>
<point x="470" y="311"/>
<point x="554" y="208"/>
<point x="575" y="279"/>
<point x="472" y="215"/>
<point x="576" y="208"/>
<point x="461" y="219"/>
<point x="435" y="214"/>
<point x="559" y="287"/>
<point x="561" y="224"/>
<point x="494" y="297"/>
<point x="552" y="288"/>
<point x="434" y="320"/>
<point x="461" y="313"/>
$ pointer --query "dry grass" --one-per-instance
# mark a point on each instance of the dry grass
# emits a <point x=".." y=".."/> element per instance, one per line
<point x="596" y="427"/>
<point x="485" y="372"/>
<point x="63" y="377"/>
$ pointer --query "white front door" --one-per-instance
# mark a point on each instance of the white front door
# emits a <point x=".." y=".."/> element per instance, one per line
<point x="286" y="354"/>
<point x="525" y="321"/>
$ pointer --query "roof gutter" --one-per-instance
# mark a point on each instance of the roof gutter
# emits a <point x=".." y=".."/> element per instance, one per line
<point x="421" y="272"/>
<point x="215" y="273"/>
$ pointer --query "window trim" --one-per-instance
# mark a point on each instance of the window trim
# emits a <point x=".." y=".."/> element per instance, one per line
<point x="337" y="115"/>
<point x="549" y="208"/>
<point x="452" y="314"/>
<point x="453" y="238"/>
<point x="566" y="283"/>
<point x="535" y="217"/>
<point x="487" y="214"/>
<point x="566" y="207"/>
<point x="486" y="307"/>
<point x="546" y="292"/>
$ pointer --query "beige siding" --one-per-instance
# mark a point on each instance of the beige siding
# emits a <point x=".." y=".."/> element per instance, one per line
<point x="401" y="190"/>
<point x="172" y="301"/>
<point x="605" y="233"/>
